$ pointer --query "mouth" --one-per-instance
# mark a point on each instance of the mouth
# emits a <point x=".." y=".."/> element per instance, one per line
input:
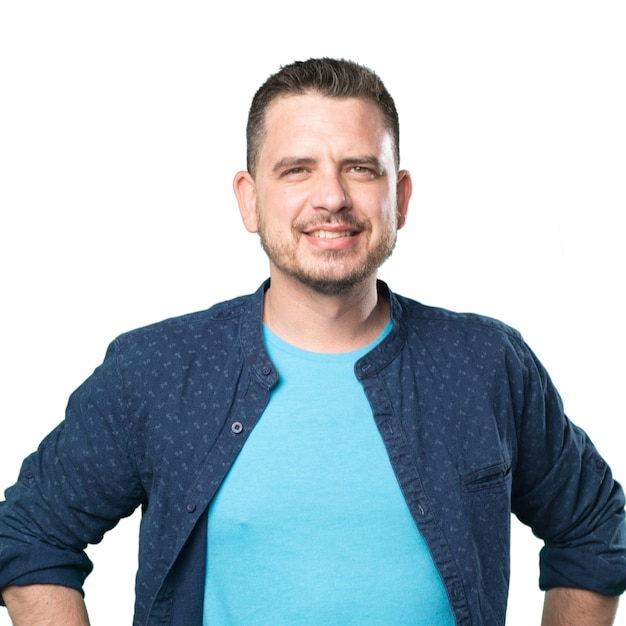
<point x="331" y="234"/>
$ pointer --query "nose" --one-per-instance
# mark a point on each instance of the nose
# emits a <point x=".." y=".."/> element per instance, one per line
<point x="330" y="193"/>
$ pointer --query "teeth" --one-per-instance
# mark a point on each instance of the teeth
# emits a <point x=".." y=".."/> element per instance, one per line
<point x="328" y="234"/>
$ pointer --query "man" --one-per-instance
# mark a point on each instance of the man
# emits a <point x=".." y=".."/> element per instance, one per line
<point x="322" y="451"/>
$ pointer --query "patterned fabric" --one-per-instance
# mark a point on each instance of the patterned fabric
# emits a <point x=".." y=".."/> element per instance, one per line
<point x="472" y="424"/>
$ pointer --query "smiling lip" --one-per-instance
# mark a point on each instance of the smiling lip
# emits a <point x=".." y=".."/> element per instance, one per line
<point x="331" y="234"/>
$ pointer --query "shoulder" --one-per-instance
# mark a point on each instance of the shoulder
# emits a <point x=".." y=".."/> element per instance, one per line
<point x="190" y="333"/>
<point x="441" y="321"/>
<point x="461" y="337"/>
<point x="217" y="313"/>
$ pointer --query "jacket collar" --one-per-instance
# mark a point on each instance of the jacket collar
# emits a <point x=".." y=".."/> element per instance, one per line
<point x="262" y="367"/>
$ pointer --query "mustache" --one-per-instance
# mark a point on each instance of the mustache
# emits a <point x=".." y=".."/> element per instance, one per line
<point x="348" y="222"/>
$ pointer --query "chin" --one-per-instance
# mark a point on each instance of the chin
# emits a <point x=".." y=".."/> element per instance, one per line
<point x="334" y="285"/>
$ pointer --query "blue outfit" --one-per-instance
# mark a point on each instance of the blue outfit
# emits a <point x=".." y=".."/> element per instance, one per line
<point x="308" y="522"/>
<point x="472" y="424"/>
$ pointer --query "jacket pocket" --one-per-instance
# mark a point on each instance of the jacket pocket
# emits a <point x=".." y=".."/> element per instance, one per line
<point x="486" y="478"/>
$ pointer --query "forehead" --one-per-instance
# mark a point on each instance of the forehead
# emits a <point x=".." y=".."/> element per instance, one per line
<point x="294" y="120"/>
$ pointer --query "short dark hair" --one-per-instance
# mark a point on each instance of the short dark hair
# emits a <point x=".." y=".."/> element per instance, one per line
<point x="334" y="78"/>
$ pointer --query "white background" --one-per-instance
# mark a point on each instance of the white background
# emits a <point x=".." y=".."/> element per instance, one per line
<point x="122" y="124"/>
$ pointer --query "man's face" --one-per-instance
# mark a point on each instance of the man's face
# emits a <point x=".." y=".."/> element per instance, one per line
<point x="326" y="199"/>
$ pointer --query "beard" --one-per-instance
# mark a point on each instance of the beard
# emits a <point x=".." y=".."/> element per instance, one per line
<point x="328" y="272"/>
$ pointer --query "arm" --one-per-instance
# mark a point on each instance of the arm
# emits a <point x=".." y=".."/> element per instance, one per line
<point x="564" y="490"/>
<point x="577" y="607"/>
<point x="78" y="484"/>
<point x="45" y="605"/>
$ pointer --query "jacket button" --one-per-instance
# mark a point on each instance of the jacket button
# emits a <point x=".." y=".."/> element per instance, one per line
<point x="266" y="370"/>
<point x="236" y="427"/>
<point x="191" y="507"/>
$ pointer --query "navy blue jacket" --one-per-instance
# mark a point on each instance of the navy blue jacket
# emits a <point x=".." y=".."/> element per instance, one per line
<point x="472" y="423"/>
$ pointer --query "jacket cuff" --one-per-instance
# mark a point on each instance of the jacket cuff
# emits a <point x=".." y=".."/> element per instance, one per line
<point x="576" y="569"/>
<point x="44" y="565"/>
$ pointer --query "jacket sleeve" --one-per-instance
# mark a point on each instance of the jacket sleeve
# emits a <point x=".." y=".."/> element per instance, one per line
<point x="564" y="490"/>
<point x="78" y="484"/>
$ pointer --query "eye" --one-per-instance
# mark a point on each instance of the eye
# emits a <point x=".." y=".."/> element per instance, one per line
<point x="294" y="172"/>
<point x="363" y="171"/>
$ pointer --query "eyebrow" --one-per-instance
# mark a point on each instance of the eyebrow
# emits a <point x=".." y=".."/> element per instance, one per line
<point x="288" y="162"/>
<point x="370" y="160"/>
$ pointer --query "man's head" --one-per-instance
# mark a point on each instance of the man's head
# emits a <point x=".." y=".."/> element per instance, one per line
<point x="333" y="78"/>
<point x="323" y="189"/>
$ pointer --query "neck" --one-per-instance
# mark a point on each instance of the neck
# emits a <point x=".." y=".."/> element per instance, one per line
<point x="325" y="323"/>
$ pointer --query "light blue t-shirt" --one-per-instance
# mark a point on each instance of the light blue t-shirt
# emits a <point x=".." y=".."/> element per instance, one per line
<point x="310" y="525"/>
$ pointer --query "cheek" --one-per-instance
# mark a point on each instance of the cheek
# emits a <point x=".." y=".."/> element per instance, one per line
<point x="384" y="212"/>
<point x="285" y="203"/>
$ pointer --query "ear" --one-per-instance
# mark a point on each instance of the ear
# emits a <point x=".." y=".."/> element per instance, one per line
<point x="245" y="191"/>
<point x="404" y="188"/>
